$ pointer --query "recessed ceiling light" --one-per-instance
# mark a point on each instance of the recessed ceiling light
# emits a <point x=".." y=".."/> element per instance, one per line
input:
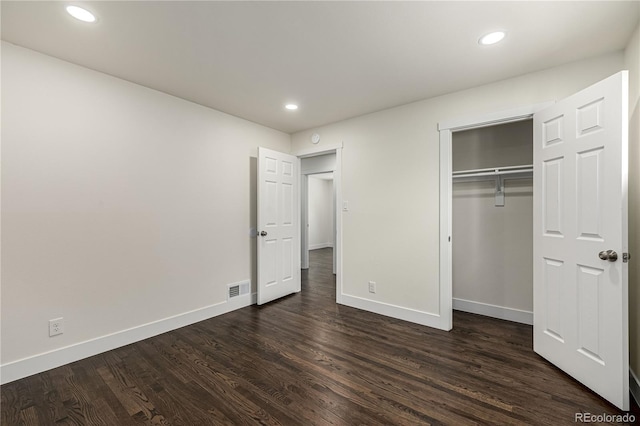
<point x="291" y="107"/>
<point x="81" y="14"/>
<point x="492" y="38"/>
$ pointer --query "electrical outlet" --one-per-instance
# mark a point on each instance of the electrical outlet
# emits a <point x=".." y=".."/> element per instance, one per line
<point x="56" y="326"/>
<point x="372" y="287"/>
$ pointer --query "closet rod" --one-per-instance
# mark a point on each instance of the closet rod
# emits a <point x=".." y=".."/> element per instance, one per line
<point x="495" y="171"/>
<point x="499" y="174"/>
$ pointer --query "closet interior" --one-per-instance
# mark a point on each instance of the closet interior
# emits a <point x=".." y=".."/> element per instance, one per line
<point x="492" y="214"/>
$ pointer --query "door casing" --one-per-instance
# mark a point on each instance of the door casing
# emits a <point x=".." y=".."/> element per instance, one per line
<point x="446" y="130"/>
<point x="337" y="184"/>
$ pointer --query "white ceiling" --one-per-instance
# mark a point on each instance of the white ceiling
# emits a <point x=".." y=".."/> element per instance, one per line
<point x="335" y="59"/>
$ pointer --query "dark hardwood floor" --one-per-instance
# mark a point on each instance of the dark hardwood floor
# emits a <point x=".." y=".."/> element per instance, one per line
<point x="303" y="360"/>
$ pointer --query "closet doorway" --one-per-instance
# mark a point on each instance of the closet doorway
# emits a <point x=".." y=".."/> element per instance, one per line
<point x="444" y="319"/>
<point x="492" y="221"/>
<point x="580" y="282"/>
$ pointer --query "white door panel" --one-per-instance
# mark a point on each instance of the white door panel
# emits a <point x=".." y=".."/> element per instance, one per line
<point x="278" y="229"/>
<point x="580" y="210"/>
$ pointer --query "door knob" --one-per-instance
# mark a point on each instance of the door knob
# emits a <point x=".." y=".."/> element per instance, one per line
<point x="609" y="255"/>
<point x="263" y="233"/>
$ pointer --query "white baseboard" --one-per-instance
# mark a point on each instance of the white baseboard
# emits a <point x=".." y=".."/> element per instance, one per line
<point x="394" y="311"/>
<point x="494" y="311"/>
<point x="42" y="362"/>
<point x="319" y="246"/>
<point x="634" y="386"/>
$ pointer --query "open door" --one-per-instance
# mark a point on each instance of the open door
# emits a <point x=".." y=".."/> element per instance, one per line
<point x="278" y="225"/>
<point x="580" y="237"/>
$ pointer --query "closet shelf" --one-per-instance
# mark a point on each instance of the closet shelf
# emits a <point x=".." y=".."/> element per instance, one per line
<point x="499" y="174"/>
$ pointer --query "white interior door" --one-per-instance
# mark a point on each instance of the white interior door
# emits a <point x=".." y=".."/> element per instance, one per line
<point x="580" y="212"/>
<point x="278" y="225"/>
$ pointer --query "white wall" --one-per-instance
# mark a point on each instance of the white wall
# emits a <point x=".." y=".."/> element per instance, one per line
<point x="493" y="246"/>
<point x="632" y="63"/>
<point x="320" y="213"/>
<point x="390" y="179"/>
<point x="122" y="207"/>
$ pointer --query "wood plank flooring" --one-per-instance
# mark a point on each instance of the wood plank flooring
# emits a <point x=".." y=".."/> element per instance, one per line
<point x="303" y="360"/>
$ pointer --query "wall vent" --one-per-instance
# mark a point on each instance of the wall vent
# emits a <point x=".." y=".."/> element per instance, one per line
<point x="238" y="289"/>
<point x="234" y="291"/>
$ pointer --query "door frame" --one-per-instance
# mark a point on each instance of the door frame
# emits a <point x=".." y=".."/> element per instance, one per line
<point x="446" y="130"/>
<point x="337" y="185"/>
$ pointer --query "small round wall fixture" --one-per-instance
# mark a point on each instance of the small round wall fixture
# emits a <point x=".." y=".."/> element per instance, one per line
<point x="315" y="138"/>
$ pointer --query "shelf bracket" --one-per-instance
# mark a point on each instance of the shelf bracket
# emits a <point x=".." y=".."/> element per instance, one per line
<point x="499" y="191"/>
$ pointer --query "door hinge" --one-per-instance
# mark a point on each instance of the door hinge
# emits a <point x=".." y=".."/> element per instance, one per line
<point x="625" y="257"/>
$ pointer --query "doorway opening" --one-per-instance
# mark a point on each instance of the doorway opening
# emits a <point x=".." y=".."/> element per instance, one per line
<point x="321" y="216"/>
<point x="492" y="221"/>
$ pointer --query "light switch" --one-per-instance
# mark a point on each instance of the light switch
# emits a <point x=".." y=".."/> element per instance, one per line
<point x="345" y="206"/>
